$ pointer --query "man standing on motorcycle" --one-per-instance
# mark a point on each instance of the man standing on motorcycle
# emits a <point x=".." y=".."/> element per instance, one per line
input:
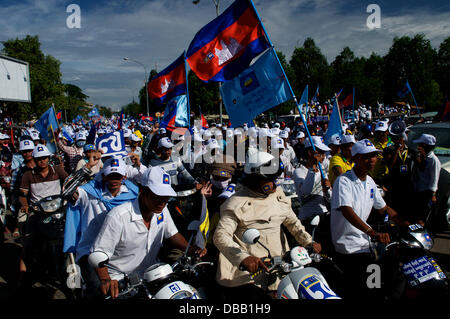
<point x="133" y="233"/>
<point x="262" y="205"/>
<point x="354" y="196"/>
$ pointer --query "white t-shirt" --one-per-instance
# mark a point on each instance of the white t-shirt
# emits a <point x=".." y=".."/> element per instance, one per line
<point x="130" y="246"/>
<point x="349" y="190"/>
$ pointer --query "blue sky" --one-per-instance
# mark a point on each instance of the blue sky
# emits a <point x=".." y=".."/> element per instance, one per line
<point x="155" y="32"/>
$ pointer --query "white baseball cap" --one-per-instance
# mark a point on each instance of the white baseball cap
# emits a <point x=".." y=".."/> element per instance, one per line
<point x="26" y="145"/>
<point x="158" y="181"/>
<point x="126" y="132"/>
<point x="300" y="135"/>
<point x="41" y="151"/>
<point x="284" y="134"/>
<point x="114" y="165"/>
<point x="335" y="140"/>
<point x="80" y="136"/>
<point x="162" y="130"/>
<point x="364" y="147"/>
<point x="34" y="135"/>
<point x="165" y="142"/>
<point x="277" y="143"/>
<point x="212" y="143"/>
<point x="135" y="138"/>
<point x="318" y="143"/>
<point x="229" y="191"/>
<point x="347" y="138"/>
<point x="426" y="139"/>
<point x="381" y="126"/>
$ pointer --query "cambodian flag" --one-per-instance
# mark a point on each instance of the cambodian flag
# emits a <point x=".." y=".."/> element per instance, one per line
<point x="226" y="46"/>
<point x="170" y="82"/>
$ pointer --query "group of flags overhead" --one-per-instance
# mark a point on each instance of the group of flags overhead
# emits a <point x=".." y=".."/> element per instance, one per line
<point x="221" y="51"/>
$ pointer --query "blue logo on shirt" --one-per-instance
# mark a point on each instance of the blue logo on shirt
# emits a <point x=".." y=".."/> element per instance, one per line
<point x="159" y="218"/>
<point x="371" y="193"/>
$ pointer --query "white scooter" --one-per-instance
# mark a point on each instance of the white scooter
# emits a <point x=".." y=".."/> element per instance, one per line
<point x="160" y="281"/>
<point x="298" y="280"/>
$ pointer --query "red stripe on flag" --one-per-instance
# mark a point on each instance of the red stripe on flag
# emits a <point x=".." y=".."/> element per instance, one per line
<point x="245" y="30"/>
<point x="171" y="80"/>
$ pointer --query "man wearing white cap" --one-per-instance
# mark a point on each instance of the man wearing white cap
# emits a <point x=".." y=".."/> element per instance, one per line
<point x="134" y="152"/>
<point x="299" y="147"/>
<point x="288" y="152"/>
<point x="173" y="166"/>
<point x="133" y="233"/>
<point x="355" y="194"/>
<point x="26" y="148"/>
<point x="42" y="181"/>
<point x="313" y="191"/>
<point x="342" y="162"/>
<point x="74" y="152"/>
<point x="425" y="175"/>
<point x="84" y="218"/>
<point x="381" y="137"/>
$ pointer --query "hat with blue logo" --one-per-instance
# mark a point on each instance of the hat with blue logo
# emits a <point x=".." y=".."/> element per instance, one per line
<point x="229" y="191"/>
<point x="41" y="151"/>
<point x="114" y="165"/>
<point x="158" y="181"/>
<point x="364" y="147"/>
<point x="26" y="145"/>
<point x="88" y="147"/>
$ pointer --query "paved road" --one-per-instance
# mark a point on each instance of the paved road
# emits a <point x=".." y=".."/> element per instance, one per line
<point x="10" y="251"/>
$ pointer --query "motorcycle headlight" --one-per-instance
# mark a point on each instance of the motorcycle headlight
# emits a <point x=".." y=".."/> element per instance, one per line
<point x="51" y="206"/>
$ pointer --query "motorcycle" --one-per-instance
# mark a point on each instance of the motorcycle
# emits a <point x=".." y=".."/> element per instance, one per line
<point x="298" y="280"/>
<point x="47" y="231"/>
<point x="408" y="267"/>
<point x="161" y="280"/>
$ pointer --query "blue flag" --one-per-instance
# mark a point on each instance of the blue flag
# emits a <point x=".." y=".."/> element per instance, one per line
<point x="404" y="90"/>
<point x="334" y="125"/>
<point x="47" y="125"/>
<point x="112" y="144"/>
<point x="304" y="98"/>
<point x="315" y="98"/>
<point x="257" y="89"/>
<point x="94" y="112"/>
<point x="176" y="113"/>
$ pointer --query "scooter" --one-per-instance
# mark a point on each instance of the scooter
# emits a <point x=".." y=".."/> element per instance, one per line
<point x="298" y="280"/>
<point x="161" y="280"/>
<point x="408" y="267"/>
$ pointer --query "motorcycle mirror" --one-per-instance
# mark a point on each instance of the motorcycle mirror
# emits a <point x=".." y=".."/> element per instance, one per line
<point x="251" y="236"/>
<point x="98" y="259"/>
<point x="315" y="221"/>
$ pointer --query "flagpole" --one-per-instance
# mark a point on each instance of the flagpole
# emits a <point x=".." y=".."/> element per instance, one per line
<point x="353" y="104"/>
<point x="289" y="85"/>
<point x="187" y="90"/>
<point x="418" y="111"/>
<point x="337" y="104"/>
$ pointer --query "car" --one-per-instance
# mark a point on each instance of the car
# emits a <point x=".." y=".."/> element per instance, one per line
<point x="440" y="215"/>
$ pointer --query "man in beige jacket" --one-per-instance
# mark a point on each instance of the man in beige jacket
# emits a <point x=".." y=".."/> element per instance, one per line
<point x="263" y="206"/>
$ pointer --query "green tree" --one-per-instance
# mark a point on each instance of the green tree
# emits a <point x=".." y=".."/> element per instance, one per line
<point x="310" y="66"/>
<point x="45" y="77"/>
<point x="443" y="67"/>
<point x="411" y="59"/>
